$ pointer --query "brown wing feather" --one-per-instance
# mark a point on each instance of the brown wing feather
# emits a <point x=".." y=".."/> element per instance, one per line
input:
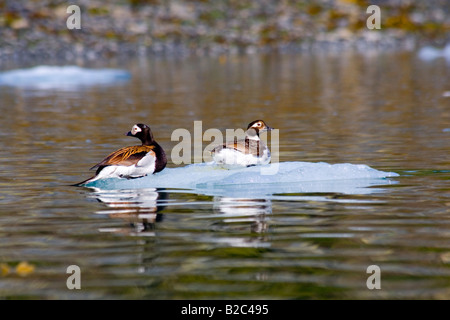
<point x="126" y="156"/>
<point x="256" y="147"/>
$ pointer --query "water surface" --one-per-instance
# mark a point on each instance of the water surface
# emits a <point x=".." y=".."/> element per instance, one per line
<point x="315" y="241"/>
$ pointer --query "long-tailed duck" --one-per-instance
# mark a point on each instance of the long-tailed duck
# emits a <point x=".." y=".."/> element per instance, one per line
<point x="132" y="162"/>
<point x="246" y="152"/>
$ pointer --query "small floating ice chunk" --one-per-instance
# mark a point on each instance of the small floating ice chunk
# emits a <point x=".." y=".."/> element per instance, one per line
<point x="429" y="53"/>
<point x="62" y="77"/>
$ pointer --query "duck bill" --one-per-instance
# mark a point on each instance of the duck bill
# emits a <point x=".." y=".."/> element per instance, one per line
<point x="129" y="134"/>
<point x="269" y="128"/>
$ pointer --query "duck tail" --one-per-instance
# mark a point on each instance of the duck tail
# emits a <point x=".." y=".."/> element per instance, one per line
<point x="82" y="183"/>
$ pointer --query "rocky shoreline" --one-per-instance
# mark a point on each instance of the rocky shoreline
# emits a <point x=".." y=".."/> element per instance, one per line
<point x="38" y="29"/>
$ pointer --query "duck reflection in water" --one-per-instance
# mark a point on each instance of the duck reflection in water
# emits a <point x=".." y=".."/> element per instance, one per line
<point x="254" y="211"/>
<point x="139" y="207"/>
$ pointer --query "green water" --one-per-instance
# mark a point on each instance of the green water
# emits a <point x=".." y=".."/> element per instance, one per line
<point x="385" y="110"/>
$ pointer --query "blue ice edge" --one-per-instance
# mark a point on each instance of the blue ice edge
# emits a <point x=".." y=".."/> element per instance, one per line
<point x="278" y="178"/>
<point x="62" y="77"/>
